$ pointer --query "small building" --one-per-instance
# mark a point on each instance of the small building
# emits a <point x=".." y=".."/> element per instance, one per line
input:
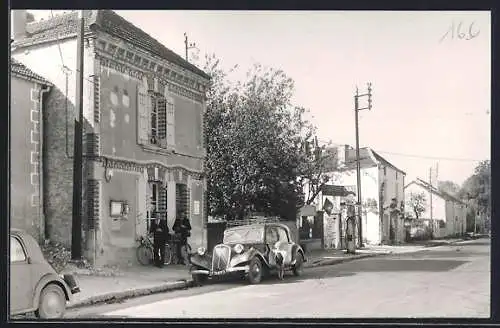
<point x="382" y="193"/>
<point x="447" y="215"/>
<point x="28" y="100"/>
<point x="144" y="146"/>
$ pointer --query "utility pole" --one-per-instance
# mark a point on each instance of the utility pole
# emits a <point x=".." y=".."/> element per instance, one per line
<point x="358" y="164"/>
<point x="430" y="197"/>
<point x="188" y="45"/>
<point x="76" y="235"/>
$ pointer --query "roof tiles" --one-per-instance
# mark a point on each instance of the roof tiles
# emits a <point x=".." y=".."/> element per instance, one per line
<point x="108" y="21"/>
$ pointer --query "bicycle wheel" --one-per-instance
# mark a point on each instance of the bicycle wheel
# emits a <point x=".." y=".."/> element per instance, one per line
<point x="144" y="255"/>
<point x="185" y="251"/>
<point x="168" y="254"/>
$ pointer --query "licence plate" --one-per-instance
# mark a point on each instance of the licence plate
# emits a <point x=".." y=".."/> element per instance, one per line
<point x="219" y="273"/>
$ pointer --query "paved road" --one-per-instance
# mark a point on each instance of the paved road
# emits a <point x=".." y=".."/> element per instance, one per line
<point x="446" y="281"/>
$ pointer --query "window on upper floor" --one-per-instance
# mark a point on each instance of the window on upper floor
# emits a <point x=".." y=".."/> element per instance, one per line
<point x="396" y="175"/>
<point x="156" y="121"/>
<point x="385" y="171"/>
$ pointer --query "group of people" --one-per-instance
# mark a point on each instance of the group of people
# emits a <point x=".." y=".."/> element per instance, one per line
<point x="161" y="234"/>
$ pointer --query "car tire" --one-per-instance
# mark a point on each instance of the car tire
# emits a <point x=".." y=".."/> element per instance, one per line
<point x="254" y="275"/>
<point x="199" y="279"/>
<point x="298" y="267"/>
<point x="52" y="303"/>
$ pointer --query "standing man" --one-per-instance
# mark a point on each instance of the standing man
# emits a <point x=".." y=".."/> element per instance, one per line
<point x="182" y="228"/>
<point x="159" y="229"/>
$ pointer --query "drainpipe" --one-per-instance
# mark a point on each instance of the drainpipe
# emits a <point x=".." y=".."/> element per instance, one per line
<point x="41" y="207"/>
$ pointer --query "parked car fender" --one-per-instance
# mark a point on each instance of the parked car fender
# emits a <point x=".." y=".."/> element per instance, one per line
<point x="48" y="279"/>
<point x="261" y="258"/>
<point x="297" y="249"/>
<point x="202" y="261"/>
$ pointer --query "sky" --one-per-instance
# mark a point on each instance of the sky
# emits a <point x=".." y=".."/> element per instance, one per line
<point x="430" y="74"/>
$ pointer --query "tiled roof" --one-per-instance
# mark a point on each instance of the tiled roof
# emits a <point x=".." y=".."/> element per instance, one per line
<point x="435" y="191"/>
<point x="17" y="67"/>
<point x="385" y="162"/>
<point x="333" y="190"/>
<point x="108" y="21"/>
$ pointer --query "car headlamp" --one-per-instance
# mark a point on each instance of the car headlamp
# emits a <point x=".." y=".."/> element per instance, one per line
<point x="238" y="248"/>
<point x="201" y="251"/>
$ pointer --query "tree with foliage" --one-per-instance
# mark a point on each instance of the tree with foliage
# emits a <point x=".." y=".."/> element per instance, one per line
<point x="449" y="187"/>
<point x="476" y="191"/>
<point x="416" y="204"/>
<point x="257" y="144"/>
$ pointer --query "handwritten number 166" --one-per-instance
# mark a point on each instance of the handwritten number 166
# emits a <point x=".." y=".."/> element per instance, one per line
<point x="456" y="32"/>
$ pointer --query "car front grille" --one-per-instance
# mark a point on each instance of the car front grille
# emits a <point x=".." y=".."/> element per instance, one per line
<point x="221" y="256"/>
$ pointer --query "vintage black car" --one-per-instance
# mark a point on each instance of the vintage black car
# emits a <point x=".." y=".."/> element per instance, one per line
<point x="249" y="251"/>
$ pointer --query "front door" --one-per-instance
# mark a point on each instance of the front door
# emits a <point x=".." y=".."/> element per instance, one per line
<point x="21" y="289"/>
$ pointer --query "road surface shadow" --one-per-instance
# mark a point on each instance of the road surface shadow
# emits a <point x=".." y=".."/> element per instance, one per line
<point x="399" y="265"/>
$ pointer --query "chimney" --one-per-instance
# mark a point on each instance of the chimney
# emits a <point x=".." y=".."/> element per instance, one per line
<point x="19" y="20"/>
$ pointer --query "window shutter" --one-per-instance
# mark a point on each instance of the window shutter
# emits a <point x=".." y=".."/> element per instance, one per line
<point x="162" y="203"/>
<point x="162" y="117"/>
<point x="170" y="121"/>
<point x="143" y="110"/>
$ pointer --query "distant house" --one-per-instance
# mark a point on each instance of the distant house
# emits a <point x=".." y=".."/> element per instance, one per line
<point x="448" y="214"/>
<point x="28" y="104"/>
<point x="382" y="194"/>
<point x="144" y="145"/>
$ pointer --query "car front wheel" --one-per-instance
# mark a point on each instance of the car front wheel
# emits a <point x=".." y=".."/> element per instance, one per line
<point x="52" y="304"/>
<point x="255" y="271"/>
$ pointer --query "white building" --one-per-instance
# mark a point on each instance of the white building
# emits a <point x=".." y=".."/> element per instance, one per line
<point x="381" y="184"/>
<point x="448" y="213"/>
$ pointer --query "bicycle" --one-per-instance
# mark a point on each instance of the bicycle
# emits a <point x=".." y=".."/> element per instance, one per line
<point x="170" y="249"/>
<point x="144" y="251"/>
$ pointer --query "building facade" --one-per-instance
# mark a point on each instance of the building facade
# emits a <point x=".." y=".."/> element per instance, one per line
<point x="447" y="214"/>
<point x="143" y="131"/>
<point x="382" y="193"/>
<point x="28" y="101"/>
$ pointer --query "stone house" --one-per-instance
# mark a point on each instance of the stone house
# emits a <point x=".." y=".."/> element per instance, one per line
<point x="448" y="215"/>
<point x="143" y="132"/>
<point x="27" y="104"/>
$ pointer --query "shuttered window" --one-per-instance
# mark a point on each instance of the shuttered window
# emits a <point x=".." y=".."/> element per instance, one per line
<point x="156" y="118"/>
<point x="162" y="203"/>
<point x="162" y="117"/>
<point x="182" y="199"/>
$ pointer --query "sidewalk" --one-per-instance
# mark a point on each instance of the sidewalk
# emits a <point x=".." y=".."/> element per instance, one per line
<point x="334" y="256"/>
<point x="111" y="285"/>
<point x="115" y="284"/>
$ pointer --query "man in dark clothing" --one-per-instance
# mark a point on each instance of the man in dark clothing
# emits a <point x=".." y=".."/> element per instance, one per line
<point x="159" y="229"/>
<point x="182" y="229"/>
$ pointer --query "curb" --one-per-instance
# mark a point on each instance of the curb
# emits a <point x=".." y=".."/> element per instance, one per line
<point x="122" y="295"/>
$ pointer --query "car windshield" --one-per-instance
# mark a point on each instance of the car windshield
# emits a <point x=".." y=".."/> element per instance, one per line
<point x="244" y="235"/>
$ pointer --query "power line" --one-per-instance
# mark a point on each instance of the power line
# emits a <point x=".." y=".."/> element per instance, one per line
<point x="431" y="157"/>
<point x="412" y="155"/>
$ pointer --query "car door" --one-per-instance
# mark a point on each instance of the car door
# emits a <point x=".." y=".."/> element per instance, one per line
<point x="271" y="239"/>
<point x="284" y="245"/>
<point x="21" y="289"/>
